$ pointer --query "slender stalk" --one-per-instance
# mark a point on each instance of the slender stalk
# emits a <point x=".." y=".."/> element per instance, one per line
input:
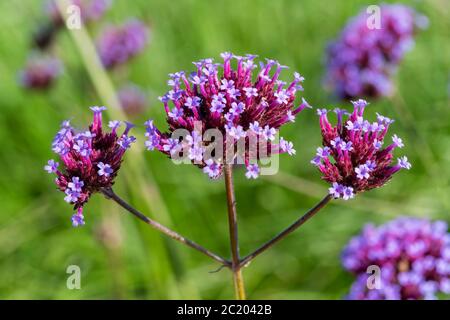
<point x="364" y="203"/>
<point x="308" y="215"/>
<point x="233" y="228"/>
<point x="109" y="193"/>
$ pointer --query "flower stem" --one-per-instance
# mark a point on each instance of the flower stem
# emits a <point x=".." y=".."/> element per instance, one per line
<point x="308" y="215"/>
<point x="233" y="229"/>
<point x="109" y="193"/>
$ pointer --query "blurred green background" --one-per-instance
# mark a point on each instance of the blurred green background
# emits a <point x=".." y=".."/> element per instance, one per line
<point x="121" y="257"/>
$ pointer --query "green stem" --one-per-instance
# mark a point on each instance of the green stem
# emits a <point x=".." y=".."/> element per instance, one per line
<point x="233" y="229"/>
<point x="109" y="193"/>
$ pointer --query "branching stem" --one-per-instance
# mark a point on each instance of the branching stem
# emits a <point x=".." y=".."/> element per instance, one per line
<point x="109" y="193"/>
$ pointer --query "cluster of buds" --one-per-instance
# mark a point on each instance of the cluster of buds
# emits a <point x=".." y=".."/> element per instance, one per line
<point x="118" y="44"/>
<point x="361" y="61"/>
<point x="40" y="72"/>
<point x="413" y="257"/>
<point x="240" y="108"/>
<point x="352" y="158"/>
<point x="91" y="160"/>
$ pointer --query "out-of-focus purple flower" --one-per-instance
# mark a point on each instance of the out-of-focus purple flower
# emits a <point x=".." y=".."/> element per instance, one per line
<point x="90" y="10"/>
<point x="413" y="256"/>
<point x="361" y="61"/>
<point x="118" y="44"/>
<point x="40" y="72"/>
<point x="242" y="107"/>
<point x="352" y="159"/>
<point x="90" y="159"/>
<point x="44" y="35"/>
<point x="132" y="99"/>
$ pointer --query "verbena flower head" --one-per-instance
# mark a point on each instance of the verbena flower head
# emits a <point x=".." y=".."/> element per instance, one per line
<point x="132" y="99"/>
<point x="40" y="72"/>
<point x="240" y="100"/>
<point x="90" y="10"/>
<point x="352" y="158"/>
<point x="361" y="61"/>
<point x="413" y="256"/>
<point x="89" y="160"/>
<point x="118" y="44"/>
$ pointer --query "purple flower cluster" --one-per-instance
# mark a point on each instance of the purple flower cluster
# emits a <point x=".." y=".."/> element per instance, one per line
<point x="90" y="10"/>
<point x="227" y="97"/>
<point x="413" y="256"/>
<point x="118" y="44"/>
<point x="132" y="99"/>
<point x="352" y="158"/>
<point x="361" y="61"/>
<point x="91" y="160"/>
<point x="40" y="72"/>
